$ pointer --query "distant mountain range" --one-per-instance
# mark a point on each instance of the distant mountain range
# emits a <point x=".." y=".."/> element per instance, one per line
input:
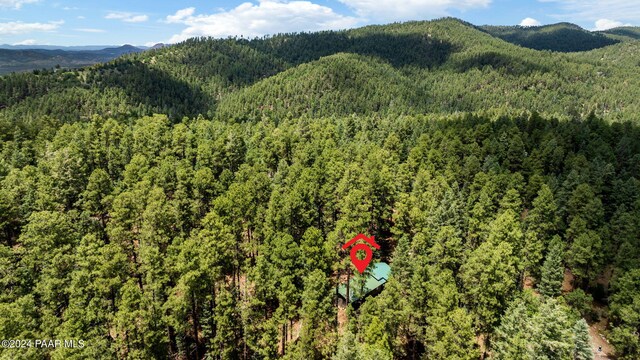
<point x="65" y="48"/>
<point x="20" y="58"/>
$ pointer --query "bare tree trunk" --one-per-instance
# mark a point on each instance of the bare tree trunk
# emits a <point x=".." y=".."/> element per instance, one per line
<point x="212" y="307"/>
<point x="348" y="285"/>
<point x="284" y="336"/>
<point x="194" y="311"/>
<point x="173" y="348"/>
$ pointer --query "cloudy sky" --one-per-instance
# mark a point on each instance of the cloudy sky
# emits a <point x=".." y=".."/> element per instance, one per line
<point x="146" y="22"/>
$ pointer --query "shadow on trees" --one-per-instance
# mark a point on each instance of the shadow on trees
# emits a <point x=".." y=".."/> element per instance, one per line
<point x="567" y="40"/>
<point x="501" y="62"/>
<point x="398" y="49"/>
<point x="632" y="33"/>
<point x="155" y="90"/>
<point x="559" y="37"/>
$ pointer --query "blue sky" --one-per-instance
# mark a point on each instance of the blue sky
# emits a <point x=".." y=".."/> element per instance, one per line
<point x="146" y="22"/>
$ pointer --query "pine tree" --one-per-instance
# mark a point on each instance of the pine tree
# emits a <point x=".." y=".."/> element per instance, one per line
<point x="552" y="269"/>
<point x="625" y="307"/>
<point x="377" y="342"/>
<point x="489" y="278"/>
<point x="585" y="254"/>
<point x="451" y="336"/>
<point x="316" y="312"/>
<point x="541" y="225"/>
<point x="582" y="349"/>
<point x="348" y="348"/>
<point x="552" y="336"/>
<point x="512" y="338"/>
<point x="542" y="219"/>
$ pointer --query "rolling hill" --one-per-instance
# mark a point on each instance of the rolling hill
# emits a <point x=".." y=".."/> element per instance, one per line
<point x="625" y="33"/>
<point x="336" y="84"/>
<point x="447" y="65"/>
<point x="562" y="37"/>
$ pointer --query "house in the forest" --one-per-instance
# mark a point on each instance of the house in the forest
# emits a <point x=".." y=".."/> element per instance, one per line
<point x="370" y="283"/>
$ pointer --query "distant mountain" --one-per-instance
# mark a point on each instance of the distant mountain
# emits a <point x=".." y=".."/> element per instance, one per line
<point x="121" y="50"/>
<point x="158" y="46"/>
<point x="65" y="48"/>
<point x="562" y="37"/>
<point x="20" y="60"/>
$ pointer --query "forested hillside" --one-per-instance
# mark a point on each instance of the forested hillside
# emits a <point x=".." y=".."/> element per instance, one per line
<point x="561" y="37"/>
<point x="450" y="66"/>
<point x="191" y="202"/>
<point x="625" y="33"/>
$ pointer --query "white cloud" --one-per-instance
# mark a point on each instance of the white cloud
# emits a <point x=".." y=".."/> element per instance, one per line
<point x="81" y="17"/>
<point x="181" y="15"/>
<point x="26" y="42"/>
<point x="397" y="10"/>
<point x="19" y="27"/>
<point x="89" y="30"/>
<point x="592" y="10"/>
<point x="265" y="17"/>
<point x="127" y="17"/>
<point x="16" y="4"/>
<point x="530" y="22"/>
<point x="606" y="24"/>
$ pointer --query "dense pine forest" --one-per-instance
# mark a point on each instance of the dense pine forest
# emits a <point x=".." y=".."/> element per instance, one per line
<point x="191" y="202"/>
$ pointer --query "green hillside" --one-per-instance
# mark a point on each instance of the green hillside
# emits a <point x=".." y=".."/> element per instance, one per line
<point x="191" y="78"/>
<point x="466" y="71"/>
<point x="336" y="84"/>
<point x="562" y="37"/>
<point x="624" y="33"/>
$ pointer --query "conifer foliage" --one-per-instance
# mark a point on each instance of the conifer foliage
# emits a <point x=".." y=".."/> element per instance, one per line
<point x="191" y="202"/>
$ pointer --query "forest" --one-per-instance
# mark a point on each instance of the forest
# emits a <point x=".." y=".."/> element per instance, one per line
<point x="191" y="202"/>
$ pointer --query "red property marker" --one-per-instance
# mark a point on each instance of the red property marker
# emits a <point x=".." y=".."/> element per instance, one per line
<point x="361" y="265"/>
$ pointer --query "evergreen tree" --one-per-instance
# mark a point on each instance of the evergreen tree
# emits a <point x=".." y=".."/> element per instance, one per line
<point x="512" y="339"/>
<point x="541" y="225"/>
<point x="348" y="348"/>
<point x="625" y="308"/>
<point x="582" y="349"/>
<point x="552" y="269"/>
<point x="489" y="278"/>
<point x="316" y="314"/>
<point x="552" y="336"/>
<point x="451" y="336"/>
<point x="376" y="341"/>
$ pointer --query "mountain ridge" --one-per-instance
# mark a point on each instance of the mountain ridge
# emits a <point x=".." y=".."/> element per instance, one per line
<point x="561" y="37"/>
<point x="450" y="64"/>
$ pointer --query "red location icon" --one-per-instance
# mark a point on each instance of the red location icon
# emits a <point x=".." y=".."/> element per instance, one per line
<point x="361" y="264"/>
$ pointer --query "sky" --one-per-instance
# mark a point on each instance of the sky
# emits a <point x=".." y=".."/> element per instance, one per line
<point x="147" y="22"/>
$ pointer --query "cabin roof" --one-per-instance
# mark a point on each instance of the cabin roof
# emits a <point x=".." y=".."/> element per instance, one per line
<point x="376" y="276"/>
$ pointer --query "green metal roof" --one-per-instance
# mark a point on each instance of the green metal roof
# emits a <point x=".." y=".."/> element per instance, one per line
<point x="376" y="276"/>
